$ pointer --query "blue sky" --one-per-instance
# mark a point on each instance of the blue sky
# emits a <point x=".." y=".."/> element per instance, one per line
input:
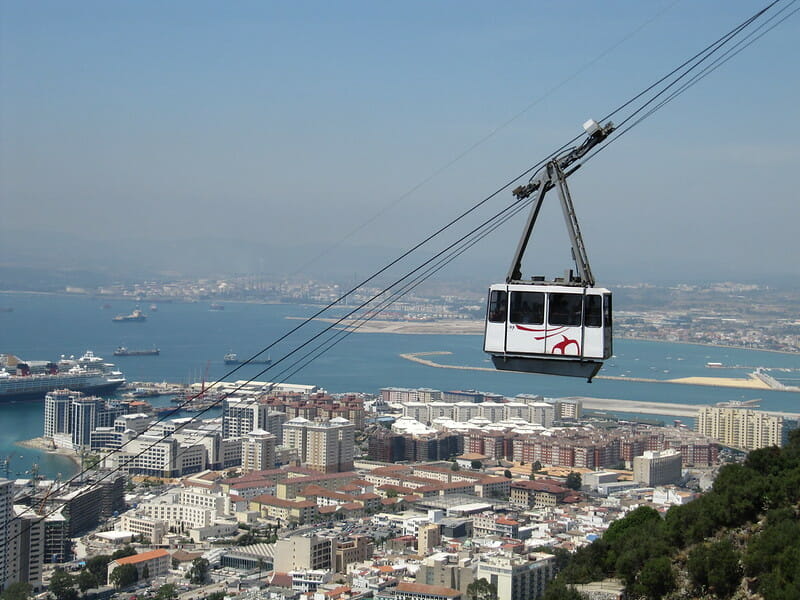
<point x="295" y="122"/>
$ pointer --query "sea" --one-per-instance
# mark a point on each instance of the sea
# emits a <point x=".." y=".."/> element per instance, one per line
<point x="193" y="340"/>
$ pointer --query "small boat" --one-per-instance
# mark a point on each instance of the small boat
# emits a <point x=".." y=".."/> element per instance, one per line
<point x="216" y="306"/>
<point x="153" y="308"/>
<point x="233" y="359"/>
<point x="123" y="351"/>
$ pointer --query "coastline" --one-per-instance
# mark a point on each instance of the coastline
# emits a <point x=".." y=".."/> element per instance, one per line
<point x="752" y="382"/>
<point x="475" y="327"/>
<point x="45" y="445"/>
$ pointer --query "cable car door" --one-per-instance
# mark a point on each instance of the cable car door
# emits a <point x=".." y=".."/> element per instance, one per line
<point x="527" y="330"/>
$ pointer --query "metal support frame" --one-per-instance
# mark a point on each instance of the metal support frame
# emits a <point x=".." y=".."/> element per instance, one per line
<point x="553" y="175"/>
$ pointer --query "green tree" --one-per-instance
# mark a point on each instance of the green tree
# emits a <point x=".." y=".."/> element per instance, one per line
<point x="216" y="596"/>
<point x="17" y="591"/>
<point x="715" y="568"/>
<point x="656" y="578"/>
<point x="86" y="580"/>
<point x="393" y="493"/>
<point x="454" y="466"/>
<point x="507" y="474"/>
<point x="98" y="566"/>
<point x="559" y="591"/>
<point x="167" y="592"/>
<point x="146" y="572"/>
<point x="62" y="585"/>
<point x="198" y="572"/>
<point x="481" y="589"/>
<point x="476" y="465"/>
<point x="123" y="576"/>
<point x="574" y="481"/>
<point x="123" y="552"/>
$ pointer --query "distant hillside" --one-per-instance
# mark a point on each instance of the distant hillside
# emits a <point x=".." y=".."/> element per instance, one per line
<point x="740" y="540"/>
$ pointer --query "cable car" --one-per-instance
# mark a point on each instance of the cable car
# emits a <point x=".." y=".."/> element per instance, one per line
<point x="557" y="327"/>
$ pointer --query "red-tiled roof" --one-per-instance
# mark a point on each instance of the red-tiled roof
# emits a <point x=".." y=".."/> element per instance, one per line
<point x="137" y="558"/>
<point x="432" y="590"/>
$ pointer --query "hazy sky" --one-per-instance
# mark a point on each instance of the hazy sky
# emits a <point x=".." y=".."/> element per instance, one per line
<point x="295" y="122"/>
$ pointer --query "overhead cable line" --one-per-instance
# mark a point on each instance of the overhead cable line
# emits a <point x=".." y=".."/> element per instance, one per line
<point x="404" y="255"/>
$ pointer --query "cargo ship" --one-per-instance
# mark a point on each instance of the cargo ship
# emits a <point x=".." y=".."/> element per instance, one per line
<point x="135" y="316"/>
<point x="32" y="380"/>
<point x="233" y="359"/>
<point x="123" y="351"/>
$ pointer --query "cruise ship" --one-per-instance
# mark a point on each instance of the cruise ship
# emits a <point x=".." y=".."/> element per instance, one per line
<point x="31" y="380"/>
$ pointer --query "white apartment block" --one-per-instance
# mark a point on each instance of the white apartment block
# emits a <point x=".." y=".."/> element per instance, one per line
<point x="517" y="577"/>
<point x="325" y="446"/>
<point x="740" y="427"/>
<point x="258" y="451"/>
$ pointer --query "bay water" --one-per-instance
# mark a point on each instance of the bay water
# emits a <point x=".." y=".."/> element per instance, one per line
<point x="193" y="339"/>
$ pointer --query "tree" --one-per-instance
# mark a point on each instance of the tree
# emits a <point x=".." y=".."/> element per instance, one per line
<point x="86" y="580"/>
<point x="62" y="585"/>
<point x="476" y="465"/>
<point x="536" y="466"/>
<point x="656" y="578"/>
<point x="17" y="591"/>
<point x="167" y="591"/>
<point x="198" y="572"/>
<point x="146" y="572"/>
<point x="574" y="481"/>
<point x="393" y="493"/>
<point x="216" y="596"/>
<point x="123" y="576"/>
<point x="98" y="566"/>
<point x="123" y="552"/>
<point x="481" y="589"/>
<point x="507" y="474"/>
<point x="454" y="466"/>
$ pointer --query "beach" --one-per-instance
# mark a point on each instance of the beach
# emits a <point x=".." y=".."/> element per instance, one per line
<point x="46" y="445"/>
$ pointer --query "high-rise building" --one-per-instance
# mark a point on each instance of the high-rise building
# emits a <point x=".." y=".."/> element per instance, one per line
<point x="740" y="427"/>
<point x="428" y="538"/>
<point x="258" y="451"/>
<point x="6" y="514"/>
<point x="517" y="577"/>
<point x="274" y="424"/>
<point x="240" y="416"/>
<point x="58" y="412"/>
<point x="325" y="446"/>
<point x="657" y="468"/>
<point x="26" y="547"/>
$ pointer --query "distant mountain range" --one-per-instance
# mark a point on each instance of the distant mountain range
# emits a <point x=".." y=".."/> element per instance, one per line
<point x="39" y="260"/>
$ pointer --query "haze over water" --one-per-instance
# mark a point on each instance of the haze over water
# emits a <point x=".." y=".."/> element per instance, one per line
<point x="192" y="339"/>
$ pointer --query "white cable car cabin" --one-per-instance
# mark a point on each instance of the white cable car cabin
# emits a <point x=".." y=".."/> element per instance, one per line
<point x="551" y="329"/>
<point x="558" y="327"/>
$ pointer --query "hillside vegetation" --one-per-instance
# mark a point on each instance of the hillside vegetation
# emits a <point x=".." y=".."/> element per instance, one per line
<point x="739" y="540"/>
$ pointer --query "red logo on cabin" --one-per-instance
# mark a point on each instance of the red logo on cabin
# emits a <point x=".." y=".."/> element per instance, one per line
<point x="560" y="347"/>
<point x="564" y="344"/>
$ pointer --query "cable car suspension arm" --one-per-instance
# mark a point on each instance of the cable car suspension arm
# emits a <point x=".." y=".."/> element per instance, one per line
<point x="554" y="174"/>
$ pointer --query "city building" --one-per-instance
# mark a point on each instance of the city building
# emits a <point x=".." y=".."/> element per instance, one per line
<point x="657" y="468"/>
<point x="6" y="514"/>
<point x="149" y="565"/>
<point x="428" y="537"/>
<point x="240" y="416"/>
<point x="258" y="451"/>
<point x="740" y="427"/>
<point x="517" y="577"/>
<point x="324" y="446"/>
<point x="304" y="553"/>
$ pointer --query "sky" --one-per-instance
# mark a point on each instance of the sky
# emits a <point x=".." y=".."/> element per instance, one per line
<point x="339" y="125"/>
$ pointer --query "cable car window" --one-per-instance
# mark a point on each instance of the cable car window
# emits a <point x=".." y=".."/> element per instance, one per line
<point x="527" y="308"/>
<point x="498" y="302"/>
<point x="607" y="312"/>
<point x="565" y="309"/>
<point x="593" y="310"/>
